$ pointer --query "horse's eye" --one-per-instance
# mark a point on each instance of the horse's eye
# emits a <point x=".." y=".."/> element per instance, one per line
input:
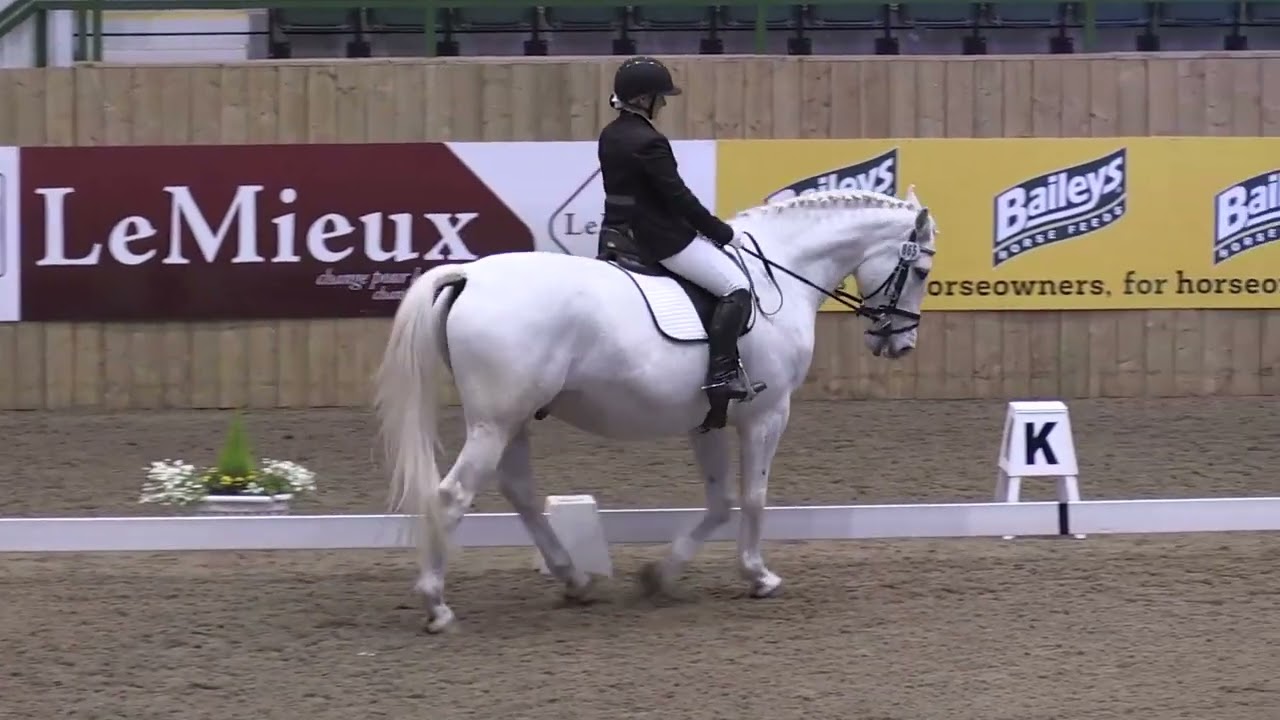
<point x="921" y="273"/>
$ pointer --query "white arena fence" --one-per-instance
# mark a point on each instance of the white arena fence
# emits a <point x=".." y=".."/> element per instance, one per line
<point x="845" y="522"/>
<point x="1037" y="444"/>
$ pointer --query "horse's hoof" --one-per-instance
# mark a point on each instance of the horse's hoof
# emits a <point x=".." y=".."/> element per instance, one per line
<point x="768" y="586"/>
<point x="434" y="628"/>
<point x="442" y="621"/>
<point x="581" y="596"/>
<point x="652" y="583"/>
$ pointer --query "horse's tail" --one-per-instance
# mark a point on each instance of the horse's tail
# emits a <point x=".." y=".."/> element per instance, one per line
<point x="407" y="402"/>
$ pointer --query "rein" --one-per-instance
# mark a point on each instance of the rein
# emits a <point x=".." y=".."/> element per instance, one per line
<point x="881" y="314"/>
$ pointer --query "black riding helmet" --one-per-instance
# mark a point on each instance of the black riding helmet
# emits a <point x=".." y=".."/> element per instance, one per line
<point x="643" y="76"/>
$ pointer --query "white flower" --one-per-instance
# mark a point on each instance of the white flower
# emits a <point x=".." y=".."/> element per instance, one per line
<point x="298" y="478"/>
<point x="172" y="481"/>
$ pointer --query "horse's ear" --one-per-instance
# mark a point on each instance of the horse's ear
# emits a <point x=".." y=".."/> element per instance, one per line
<point x="911" y="195"/>
<point x="922" y="220"/>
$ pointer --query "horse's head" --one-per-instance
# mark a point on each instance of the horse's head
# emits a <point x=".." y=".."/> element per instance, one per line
<point x="892" y="279"/>
<point x="885" y="243"/>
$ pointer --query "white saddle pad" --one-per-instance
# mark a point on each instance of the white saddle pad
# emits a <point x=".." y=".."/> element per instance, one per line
<point x="673" y="311"/>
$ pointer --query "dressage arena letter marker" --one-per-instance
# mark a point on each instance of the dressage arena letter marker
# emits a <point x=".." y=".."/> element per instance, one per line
<point x="576" y="521"/>
<point x="1037" y="442"/>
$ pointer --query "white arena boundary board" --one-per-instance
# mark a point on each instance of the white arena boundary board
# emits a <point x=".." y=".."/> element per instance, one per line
<point x="846" y="522"/>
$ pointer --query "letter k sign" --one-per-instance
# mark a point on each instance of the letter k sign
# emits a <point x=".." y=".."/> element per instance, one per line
<point x="1037" y="439"/>
<point x="1038" y="443"/>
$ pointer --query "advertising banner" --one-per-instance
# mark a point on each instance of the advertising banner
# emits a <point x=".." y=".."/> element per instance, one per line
<point x="1057" y="224"/>
<point x="291" y="231"/>
<point x="10" y="270"/>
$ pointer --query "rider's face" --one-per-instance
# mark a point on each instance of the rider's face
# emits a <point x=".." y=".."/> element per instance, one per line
<point x="659" y="102"/>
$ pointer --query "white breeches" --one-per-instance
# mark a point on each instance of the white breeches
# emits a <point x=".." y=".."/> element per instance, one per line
<point x="704" y="264"/>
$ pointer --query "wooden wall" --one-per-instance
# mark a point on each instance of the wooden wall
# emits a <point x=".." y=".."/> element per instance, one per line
<point x="962" y="355"/>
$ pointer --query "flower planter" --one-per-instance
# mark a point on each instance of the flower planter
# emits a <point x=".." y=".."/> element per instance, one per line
<point x="236" y="485"/>
<point x="243" y="504"/>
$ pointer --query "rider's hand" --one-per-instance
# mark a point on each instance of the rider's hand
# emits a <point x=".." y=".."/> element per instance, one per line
<point x="737" y="239"/>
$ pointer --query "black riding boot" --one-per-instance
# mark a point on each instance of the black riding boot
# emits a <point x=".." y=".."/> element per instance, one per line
<point x="723" y="378"/>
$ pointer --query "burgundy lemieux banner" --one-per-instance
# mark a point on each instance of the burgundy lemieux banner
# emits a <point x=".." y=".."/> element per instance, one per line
<point x="247" y="231"/>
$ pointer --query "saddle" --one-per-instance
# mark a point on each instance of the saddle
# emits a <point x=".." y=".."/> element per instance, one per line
<point x="681" y="310"/>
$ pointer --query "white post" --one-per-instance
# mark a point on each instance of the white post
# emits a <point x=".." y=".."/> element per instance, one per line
<point x="576" y="521"/>
<point x="1037" y="442"/>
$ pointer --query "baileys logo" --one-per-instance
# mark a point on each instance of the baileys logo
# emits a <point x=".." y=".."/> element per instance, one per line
<point x="1246" y="215"/>
<point x="1064" y="204"/>
<point x="880" y="174"/>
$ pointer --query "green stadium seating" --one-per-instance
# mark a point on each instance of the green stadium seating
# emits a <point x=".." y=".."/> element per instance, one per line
<point x="1016" y="14"/>
<point x="583" y="18"/>
<point x="940" y="14"/>
<point x="1118" y="14"/>
<point x="777" y="17"/>
<point x="307" y="20"/>
<point x="847" y="16"/>
<point x="399" y="19"/>
<point x="1193" y="14"/>
<point x="493" y="19"/>
<point x="889" y="20"/>
<point x="1263" y="13"/>
<point x="673" y="17"/>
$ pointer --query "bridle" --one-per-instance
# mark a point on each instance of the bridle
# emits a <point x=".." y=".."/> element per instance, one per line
<point x="881" y="315"/>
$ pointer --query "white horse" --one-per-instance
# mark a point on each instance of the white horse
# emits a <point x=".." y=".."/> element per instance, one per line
<point x="532" y="334"/>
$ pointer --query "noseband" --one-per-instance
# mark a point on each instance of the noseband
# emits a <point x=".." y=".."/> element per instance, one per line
<point x="881" y="315"/>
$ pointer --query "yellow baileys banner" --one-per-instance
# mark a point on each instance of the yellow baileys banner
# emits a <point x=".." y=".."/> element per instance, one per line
<point x="1056" y="223"/>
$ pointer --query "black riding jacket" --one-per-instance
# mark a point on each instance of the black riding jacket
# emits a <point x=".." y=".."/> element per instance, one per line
<point x="644" y="191"/>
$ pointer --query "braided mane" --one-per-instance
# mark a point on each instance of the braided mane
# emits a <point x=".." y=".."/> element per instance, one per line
<point x="831" y="199"/>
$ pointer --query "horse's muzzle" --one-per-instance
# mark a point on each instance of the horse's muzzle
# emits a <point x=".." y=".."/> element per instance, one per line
<point x="884" y="345"/>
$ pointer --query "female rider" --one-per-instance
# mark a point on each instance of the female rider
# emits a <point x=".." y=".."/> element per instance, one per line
<point x="648" y="203"/>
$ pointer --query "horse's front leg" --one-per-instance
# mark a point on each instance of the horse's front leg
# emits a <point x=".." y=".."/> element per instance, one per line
<point x="711" y="450"/>
<point x="758" y="441"/>
<point x="517" y="485"/>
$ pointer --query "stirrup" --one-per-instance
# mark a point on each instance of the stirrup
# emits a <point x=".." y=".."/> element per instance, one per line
<point x="725" y="387"/>
<point x="718" y="415"/>
<point x="749" y="388"/>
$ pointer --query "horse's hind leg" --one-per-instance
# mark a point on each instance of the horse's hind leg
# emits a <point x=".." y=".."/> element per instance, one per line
<point x="711" y="450"/>
<point x="516" y="483"/>
<point x="476" y="465"/>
